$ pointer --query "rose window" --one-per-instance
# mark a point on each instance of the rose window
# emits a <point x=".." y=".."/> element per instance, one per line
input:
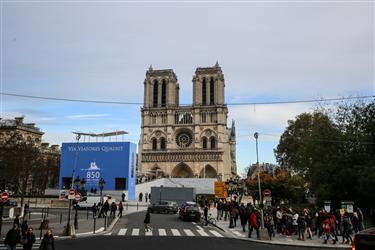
<point x="184" y="139"/>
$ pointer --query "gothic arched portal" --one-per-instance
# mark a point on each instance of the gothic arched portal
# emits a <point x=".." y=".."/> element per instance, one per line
<point x="208" y="172"/>
<point x="182" y="171"/>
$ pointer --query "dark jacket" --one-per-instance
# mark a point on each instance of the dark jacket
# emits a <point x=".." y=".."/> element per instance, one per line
<point x="147" y="218"/>
<point x="12" y="238"/>
<point x="47" y="243"/>
<point x="28" y="240"/>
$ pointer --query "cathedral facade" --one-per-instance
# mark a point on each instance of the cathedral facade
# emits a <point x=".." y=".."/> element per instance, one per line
<point x="186" y="141"/>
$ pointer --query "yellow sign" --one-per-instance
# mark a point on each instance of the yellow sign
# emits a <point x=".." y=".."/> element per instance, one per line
<point x="220" y="190"/>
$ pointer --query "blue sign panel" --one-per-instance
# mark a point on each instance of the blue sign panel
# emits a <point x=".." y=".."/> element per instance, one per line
<point x="112" y="161"/>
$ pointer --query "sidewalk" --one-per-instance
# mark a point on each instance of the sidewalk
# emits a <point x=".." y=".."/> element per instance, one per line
<point x="278" y="239"/>
<point x="85" y="225"/>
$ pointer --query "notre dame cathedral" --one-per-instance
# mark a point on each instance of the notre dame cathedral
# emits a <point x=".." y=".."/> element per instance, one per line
<point x="186" y="141"/>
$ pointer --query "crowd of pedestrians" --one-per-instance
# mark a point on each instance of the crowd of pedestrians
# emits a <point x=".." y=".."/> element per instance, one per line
<point x="24" y="235"/>
<point x="304" y="224"/>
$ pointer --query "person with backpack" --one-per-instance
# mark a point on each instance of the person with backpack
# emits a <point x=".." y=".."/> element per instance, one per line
<point x="48" y="242"/>
<point x="269" y="224"/>
<point x="28" y="239"/>
<point x="327" y="230"/>
<point x="120" y="209"/>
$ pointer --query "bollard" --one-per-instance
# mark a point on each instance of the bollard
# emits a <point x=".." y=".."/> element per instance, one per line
<point x="47" y="211"/>
<point x="127" y="206"/>
<point x="42" y="212"/>
<point x="94" y="223"/>
<point x="105" y="223"/>
<point x="137" y="206"/>
<point x="60" y="218"/>
<point x="29" y="214"/>
<point x="87" y="214"/>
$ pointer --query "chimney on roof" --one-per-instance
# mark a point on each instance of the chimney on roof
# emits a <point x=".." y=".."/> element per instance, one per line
<point x="19" y="120"/>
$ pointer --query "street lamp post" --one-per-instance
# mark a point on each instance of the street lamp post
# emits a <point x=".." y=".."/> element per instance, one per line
<point x="77" y="182"/>
<point x="101" y="186"/>
<point x="256" y="135"/>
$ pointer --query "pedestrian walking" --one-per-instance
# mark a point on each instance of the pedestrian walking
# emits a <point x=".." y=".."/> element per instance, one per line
<point x="48" y="243"/>
<point x="120" y="209"/>
<point x="28" y="239"/>
<point x="301" y="221"/>
<point x="146" y="197"/>
<point x="308" y="224"/>
<point x="253" y="224"/>
<point x="140" y="197"/>
<point x="17" y="220"/>
<point x="347" y="229"/>
<point x="269" y="224"/>
<point x="205" y="214"/>
<point x="147" y="221"/>
<point x="12" y="238"/>
<point x="105" y="208"/>
<point x="361" y="226"/>
<point x="113" y="210"/>
<point x="123" y="197"/>
<point x="24" y="227"/>
<point x="243" y="217"/>
<point x="327" y="230"/>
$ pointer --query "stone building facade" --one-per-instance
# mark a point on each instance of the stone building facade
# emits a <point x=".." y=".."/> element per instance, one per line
<point x="186" y="141"/>
<point x="50" y="154"/>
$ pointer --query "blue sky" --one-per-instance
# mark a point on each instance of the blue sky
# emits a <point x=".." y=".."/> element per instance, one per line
<point x="270" y="51"/>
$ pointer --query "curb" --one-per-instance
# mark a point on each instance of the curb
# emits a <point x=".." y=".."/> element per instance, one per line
<point x="99" y="231"/>
<point x="270" y="242"/>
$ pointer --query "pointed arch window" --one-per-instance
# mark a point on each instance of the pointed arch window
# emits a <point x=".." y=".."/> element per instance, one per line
<point x="212" y="91"/>
<point x="213" y="142"/>
<point x="204" y="143"/>
<point x="154" y="144"/>
<point x="204" y="91"/>
<point x="162" y="143"/>
<point x="163" y="93"/>
<point x="155" y="94"/>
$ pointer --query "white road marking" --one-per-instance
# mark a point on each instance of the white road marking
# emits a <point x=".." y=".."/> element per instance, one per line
<point x="194" y="223"/>
<point x="148" y="233"/>
<point x="162" y="232"/>
<point x="122" y="231"/>
<point x="135" y="232"/>
<point x="202" y="232"/>
<point x="188" y="232"/>
<point x="175" y="232"/>
<point x="216" y="233"/>
<point x="199" y="227"/>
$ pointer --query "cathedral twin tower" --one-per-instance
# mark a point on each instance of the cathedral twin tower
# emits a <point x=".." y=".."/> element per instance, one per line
<point x="186" y="141"/>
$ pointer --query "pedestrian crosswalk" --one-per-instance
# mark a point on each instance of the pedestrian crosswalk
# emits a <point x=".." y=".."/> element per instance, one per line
<point x="168" y="232"/>
<point x="19" y="246"/>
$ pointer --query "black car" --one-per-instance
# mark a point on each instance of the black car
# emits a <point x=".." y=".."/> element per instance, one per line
<point x="164" y="207"/>
<point x="189" y="211"/>
<point x="364" y="240"/>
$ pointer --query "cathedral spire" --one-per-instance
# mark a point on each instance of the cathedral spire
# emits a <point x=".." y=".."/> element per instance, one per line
<point x="233" y="129"/>
<point x="217" y="64"/>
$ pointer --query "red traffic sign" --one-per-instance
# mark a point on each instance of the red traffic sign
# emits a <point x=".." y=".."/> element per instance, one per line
<point x="267" y="193"/>
<point x="72" y="191"/>
<point x="77" y="197"/>
<point x="5" y="196"/>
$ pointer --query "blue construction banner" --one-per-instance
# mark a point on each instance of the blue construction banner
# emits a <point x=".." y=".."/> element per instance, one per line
<point x="115" y="162"/>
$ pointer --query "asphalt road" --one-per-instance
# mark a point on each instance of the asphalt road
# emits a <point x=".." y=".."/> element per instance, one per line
<point x="164" y="243"/>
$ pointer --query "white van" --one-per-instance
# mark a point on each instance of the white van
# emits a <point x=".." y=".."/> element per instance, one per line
<point x="88" y="201"/>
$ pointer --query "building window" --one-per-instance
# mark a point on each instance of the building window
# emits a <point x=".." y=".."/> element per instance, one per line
<point x="204" y="143"/>
<point x="154" y="144"/>
<point x="212" y="91"/>
<point x="155" y="94"/>
<point x="163" y="93"/>
<point x="204" y="91"/>
<point x="213" y="142"/>
<point x="120" y="183"/>
<point x="162" y="143"/>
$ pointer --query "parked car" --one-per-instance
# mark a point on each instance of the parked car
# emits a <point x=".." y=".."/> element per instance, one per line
<point x="164" y="207"/>
<point x="189" y="211"/>
<point x="364" y="240"/>
<point x="88" y="201"/>
<point x="11" y="202"/>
